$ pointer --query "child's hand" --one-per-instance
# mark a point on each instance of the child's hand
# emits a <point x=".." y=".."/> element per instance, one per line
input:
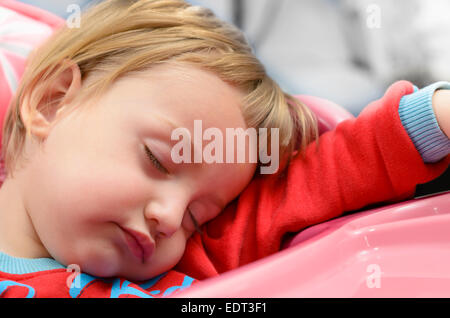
<point x="441" y="106"/>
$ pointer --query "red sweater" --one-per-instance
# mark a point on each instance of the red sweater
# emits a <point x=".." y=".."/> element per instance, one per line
<point x="367" y="160"/>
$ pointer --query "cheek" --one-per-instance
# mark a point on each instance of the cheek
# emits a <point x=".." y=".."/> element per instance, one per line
<point x="95" y="171"/>
<point x="170" y="251"/>
<point x="86" y="189"/>
<point x="91" y="176"/>
<point x="71" y="198"/>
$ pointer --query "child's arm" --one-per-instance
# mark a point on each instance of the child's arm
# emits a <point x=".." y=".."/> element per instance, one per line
<point x="441" y="106"/>
<point x="367" y="160"/>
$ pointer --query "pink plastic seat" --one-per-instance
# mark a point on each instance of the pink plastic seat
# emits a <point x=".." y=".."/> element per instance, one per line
<point x="22" y="28"/>
<point x="329" y="114"/>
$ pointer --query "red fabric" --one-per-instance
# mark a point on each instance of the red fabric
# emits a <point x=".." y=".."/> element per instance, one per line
<point x="363" y="161"/>
<point x="366" y="160"/>
<point x="60" y="283"/>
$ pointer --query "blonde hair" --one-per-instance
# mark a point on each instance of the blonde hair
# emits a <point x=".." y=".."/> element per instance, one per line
<point x="118" y="37"/>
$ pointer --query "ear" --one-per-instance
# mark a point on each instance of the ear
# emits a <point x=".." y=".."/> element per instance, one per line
<point x="40" y="116"/>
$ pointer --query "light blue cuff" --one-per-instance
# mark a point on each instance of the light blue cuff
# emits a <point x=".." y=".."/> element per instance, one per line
<point x="418" y="118"/>
<point x="17" y="265"/>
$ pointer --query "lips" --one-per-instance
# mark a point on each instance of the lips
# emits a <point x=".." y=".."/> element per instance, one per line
<point x="138" y="243"/>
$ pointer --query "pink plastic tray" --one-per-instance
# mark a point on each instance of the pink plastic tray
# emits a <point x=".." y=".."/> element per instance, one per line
<point x="400" y="250"/>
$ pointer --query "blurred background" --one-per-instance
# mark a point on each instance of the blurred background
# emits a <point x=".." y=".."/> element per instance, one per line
<point x="347" y="51"/>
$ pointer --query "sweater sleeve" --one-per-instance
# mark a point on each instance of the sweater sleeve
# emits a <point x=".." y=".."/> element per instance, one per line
<point x="419" y="120"/>
<point x="366" y="160"/>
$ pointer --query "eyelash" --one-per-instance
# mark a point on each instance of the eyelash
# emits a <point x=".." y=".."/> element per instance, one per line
<point x="197" y="228"/>
<point x="158" y="166"/>
<point x="154" y="161"/>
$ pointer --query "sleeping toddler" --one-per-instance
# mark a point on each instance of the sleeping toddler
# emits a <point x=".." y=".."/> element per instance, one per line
<point x="90" y="140"/>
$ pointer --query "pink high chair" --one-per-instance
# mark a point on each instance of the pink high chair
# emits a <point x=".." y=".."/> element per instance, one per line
<point x="397" y="250"/>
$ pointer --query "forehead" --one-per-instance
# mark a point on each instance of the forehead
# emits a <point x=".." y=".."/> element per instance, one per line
<point x="180" y="96"/>
<point x="186" y="93"/>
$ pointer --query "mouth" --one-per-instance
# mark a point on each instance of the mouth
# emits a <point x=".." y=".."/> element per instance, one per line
<point x="139" y="244"/>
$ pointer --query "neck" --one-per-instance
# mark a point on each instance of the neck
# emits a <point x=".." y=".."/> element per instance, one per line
<point x="18" y="237"/>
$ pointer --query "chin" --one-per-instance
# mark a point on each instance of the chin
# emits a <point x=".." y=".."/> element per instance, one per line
<point x="99" y="268"/>
<point x="98" y="264"/>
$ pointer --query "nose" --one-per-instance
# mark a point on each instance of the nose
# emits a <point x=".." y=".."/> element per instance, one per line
<point x="165" y="220"/>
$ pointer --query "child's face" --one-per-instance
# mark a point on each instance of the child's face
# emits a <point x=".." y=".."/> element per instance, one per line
<point x="93" y="177"/>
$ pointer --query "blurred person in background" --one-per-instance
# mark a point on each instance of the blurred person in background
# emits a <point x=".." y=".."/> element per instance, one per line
<point x="348" y="51"/>
<point x="410" y="42"/>
<point x="304" y="46"/>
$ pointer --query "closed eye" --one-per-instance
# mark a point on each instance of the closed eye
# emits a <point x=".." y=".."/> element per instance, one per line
<point x="196" y="226"/>
<point x="155" y="161"/>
